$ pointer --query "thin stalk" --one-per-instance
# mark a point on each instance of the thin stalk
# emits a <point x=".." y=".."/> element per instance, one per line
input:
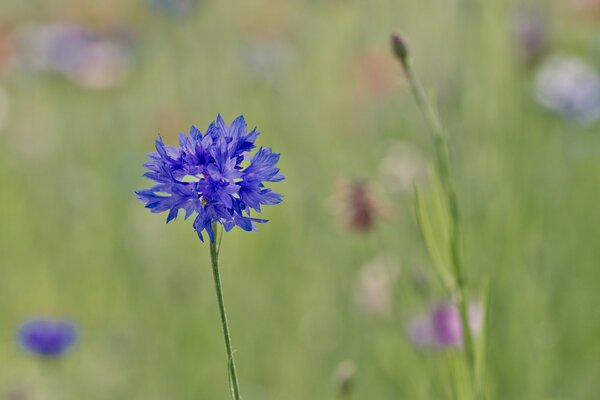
<point x="233" y="382"/>
<point x="442" y="156"/>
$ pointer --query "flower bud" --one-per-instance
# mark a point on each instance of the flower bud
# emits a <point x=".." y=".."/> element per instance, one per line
<point x="399" y="47"/>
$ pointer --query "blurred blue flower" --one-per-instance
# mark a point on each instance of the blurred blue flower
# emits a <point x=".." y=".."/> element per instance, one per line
<point x="442" y="326"/>
<point x="174" y="8"/>
<point x="569" y="87"/>
<point x="213" y="176"/>
<point x="47" y="337"/>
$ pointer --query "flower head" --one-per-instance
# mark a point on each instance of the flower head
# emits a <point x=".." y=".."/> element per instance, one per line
<point x="442" y="326"/>
<point x="90" y="58"/>
<point x="47" y="337"/>
<point x="570" y="87"/>
<point x="402" y="167"/>
<point x="399" y="48"/>
<point x="356" y="204"/>
<point x="532" y="34"/>
<point x="374" y="295"/>
<point x="212" y="176"/>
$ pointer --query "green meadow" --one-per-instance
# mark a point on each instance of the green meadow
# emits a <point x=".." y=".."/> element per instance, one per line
<point x="319" y="81"/>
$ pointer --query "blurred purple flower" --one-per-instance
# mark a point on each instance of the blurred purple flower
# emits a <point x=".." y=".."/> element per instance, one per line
<point x="442" y="326"/>
<point x="531" y="31"/>
<point x="91" y="59"/>
<point x="47" y="337"/>
<point x="569" y="87"/>
<point x="174" y="8"/>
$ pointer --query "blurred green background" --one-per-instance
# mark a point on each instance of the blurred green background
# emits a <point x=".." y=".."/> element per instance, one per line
<point x="318" y="80"/>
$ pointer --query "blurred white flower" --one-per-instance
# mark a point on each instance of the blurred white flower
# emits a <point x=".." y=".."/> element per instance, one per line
<point x="570" y="87"/>
<point x="374" y="293"/>
<point x="402" y="167"/>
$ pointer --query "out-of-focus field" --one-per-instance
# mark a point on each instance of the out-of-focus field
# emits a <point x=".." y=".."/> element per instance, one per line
<point x="318" y="80"/>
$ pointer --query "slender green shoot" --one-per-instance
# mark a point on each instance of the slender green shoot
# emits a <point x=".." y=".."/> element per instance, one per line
<point x="214" y="257"/>
<point x="443" y="166"/>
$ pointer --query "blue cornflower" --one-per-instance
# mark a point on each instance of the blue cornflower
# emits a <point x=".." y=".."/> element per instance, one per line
<point x="213" y="176"/>
<point x="47" y="337"/>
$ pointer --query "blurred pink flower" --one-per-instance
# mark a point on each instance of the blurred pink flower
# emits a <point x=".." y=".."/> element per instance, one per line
<point x="442" y="327"/>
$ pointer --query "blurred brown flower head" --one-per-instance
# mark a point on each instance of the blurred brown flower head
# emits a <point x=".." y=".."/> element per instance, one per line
<point x="357" y="205"/>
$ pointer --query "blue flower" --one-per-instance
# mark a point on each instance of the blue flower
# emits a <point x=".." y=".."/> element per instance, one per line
<point x="47" y="337"/>
<point x="212" y="176"/>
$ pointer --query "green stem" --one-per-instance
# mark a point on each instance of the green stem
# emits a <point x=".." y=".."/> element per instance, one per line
<point x="443" y="165"/>
<point x="233" y="382"/>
